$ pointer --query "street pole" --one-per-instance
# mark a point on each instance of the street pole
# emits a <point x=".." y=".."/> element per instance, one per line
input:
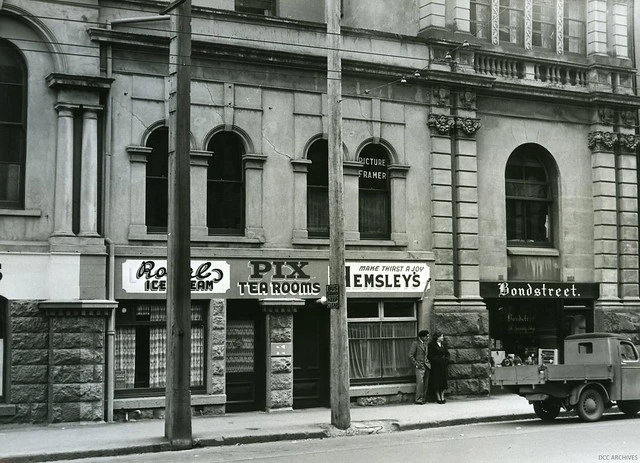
<point x="178" y="396"/>
<point x="339" y="383"/>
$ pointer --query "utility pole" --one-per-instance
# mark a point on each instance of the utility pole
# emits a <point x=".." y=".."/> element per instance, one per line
<point x="177" y="427"/>
<point x="339" y="381"/>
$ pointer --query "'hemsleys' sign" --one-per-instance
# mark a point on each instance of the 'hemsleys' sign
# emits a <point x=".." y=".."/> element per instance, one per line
<point x="538" y="290"/>
<point x="404" y="277"/>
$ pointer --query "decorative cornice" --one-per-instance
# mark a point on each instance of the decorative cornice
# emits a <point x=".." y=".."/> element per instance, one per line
<point x="77" y="308"/>
<point x="443" y="124"/>
<point x="468" y="125"/>
<point x="57" y="80"/>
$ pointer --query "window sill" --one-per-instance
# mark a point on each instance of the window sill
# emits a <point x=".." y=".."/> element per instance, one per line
<point x="159" y="402"/>
<point x="21" y="212"/>
<point x="7" y="410"/>
<point x="532" y="251"/>
<point x="162" y="237"/>
<point x="349" y="243"/>
<point x="382" y="389"/>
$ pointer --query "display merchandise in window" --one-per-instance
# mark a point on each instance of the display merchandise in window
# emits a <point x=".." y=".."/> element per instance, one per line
<point x="141" y="349"/>
<point x="380" y="336"/>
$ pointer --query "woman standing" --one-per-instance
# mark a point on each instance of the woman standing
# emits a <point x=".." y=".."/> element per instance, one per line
<point x="439" y="357"/>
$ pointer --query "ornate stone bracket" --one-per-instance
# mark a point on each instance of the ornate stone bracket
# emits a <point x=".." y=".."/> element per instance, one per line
<point x="608" y="140"/>
<point x="602" y="139"/>
<point x="468" y="125"/>
<point x="445" y="124"/>
<point x="77" y="308"/>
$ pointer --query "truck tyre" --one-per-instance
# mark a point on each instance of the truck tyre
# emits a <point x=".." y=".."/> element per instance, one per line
<point x="629" y="407"/>
<point x="546" y="410"/>
<point x="590" y="406"/>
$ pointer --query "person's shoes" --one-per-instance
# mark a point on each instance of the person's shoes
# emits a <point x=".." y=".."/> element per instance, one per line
<point x="440" y="402"/>
<point x="419" y="402"/>
<point x="444" y="401"/>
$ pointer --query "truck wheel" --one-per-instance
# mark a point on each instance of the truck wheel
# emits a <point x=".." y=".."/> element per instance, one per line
<point x="629" y="407"/>
<point x="546" y="410"/>
<point x="591" y="405"/>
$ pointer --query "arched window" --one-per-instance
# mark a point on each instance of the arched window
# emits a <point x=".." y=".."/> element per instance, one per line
<point x="157" y="198"/>
<point x="225" y="185"/>
<point x="374" y="195"/>
<point x="318" y="190"/>
<point x="13" y="116"/>
<point x="529" y="198"/>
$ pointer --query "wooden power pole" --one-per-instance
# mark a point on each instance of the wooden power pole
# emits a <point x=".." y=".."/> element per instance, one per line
<point x="339" y="383"/>
<point x="178" y="396"/>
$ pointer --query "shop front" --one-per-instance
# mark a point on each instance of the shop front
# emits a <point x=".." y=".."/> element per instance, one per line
<point x="260" y="331"/>
<point x="528" y="321"/>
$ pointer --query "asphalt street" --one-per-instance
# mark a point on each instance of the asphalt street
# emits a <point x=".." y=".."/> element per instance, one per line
<point x="568" y="439"/>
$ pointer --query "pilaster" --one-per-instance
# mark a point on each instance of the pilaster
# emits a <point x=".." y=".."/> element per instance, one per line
<point x="300" y="169"/>
<point x="199" y="168"/>
<point x="63" y="195"/>
<point x="89" y="173"/>
<point x="351" y="171"/>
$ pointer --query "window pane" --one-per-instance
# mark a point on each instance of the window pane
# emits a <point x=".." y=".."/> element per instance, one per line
<point x="364" y="351"/>
<point x="481" y="18"/>
<point x="544" y="26"/>
<point x="395" y="360"/>
<point x="11" y="103"/>
<point x="512" y="21"/>
<point x="10" y="178"/>
<point x="374" y="214"/>
<point x="225" y="186"/>
<point x="140" y="347"/>
<point x="575" y="26"/>
<point x="157" y="186"/>
<point x="11" y="66"/>
<point x="12" y="143"/>
<point x="399" y="309"/>
<point x="317" y="211"/>
<point x="362" y="309"/>
<point x="318" y="170"/>
<point x="264" y="7"/>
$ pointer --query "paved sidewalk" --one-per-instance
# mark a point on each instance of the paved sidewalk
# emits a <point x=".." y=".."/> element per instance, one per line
<point x="30" y="443"/>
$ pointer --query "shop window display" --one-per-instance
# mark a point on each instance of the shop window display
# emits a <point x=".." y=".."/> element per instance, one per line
<point x="140" y="347"/>
<point x="380" y="335"/>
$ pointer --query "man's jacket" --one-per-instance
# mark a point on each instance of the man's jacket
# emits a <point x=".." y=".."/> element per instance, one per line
<point x="418" y="354"/>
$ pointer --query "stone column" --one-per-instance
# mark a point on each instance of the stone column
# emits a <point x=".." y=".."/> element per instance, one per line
<point x="63" y="195"/>
<point x="279" y="319"/>
<point x="89" y="174"/>
<point x="300" y="169"/>
<point x="76" y="359"/>
<point x="199" y="167"/>
<point x="137" y="194"/>
<point x="351" y="171"/>
<point x="253" y="165"/>
<point x="605" y="212"/>
<point x="431" y="13"/>
<point x="596" y="27"/>
<point x="398" y="182"/>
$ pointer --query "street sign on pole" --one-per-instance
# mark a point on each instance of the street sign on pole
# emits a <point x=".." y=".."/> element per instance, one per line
<point x="333" y="296"/>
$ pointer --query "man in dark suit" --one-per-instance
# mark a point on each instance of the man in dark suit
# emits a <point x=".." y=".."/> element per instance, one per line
<point x="418" y="356"/>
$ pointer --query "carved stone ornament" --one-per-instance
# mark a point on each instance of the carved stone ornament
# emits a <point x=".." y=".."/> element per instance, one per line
<point x="443" y="124"/>
<point x="441" y="96"/>
<point x="629" y="141"/>
<point x="606" y="139"/>
<point x="606" y="115"/>
<point x="466" y="98"/>
<point x="468" y="125"/>
<point x="628" y="118"/>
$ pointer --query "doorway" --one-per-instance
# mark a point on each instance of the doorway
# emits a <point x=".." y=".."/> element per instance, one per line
<point x="311" y="356"/>
<point x="245" y="356"/>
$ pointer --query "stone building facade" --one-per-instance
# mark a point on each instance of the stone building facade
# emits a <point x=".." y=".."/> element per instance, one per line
<point x="490" y="182"/>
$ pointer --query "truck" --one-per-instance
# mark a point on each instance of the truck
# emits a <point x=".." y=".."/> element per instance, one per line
<point x="599" y="371"/>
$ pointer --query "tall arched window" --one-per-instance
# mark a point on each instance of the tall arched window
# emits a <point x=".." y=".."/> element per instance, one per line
<point x="225" y="185"/>
<point x="318" y="190"/>
<point x="157" y="186"/>
<point x="529" y="198"/>
<point x="13" y="117"/>
<point x="374" y="193"/>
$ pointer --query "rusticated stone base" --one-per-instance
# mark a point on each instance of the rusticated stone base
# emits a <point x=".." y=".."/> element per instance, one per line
<point x="619" y="318"/>
<point x="385" y="400"/>
<point x="466" y="330"/>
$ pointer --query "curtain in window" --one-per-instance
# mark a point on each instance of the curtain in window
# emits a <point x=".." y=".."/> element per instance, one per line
<point x="397" y="339"/>
<point x="197" y="355"/>
<point x="240" y="346"/>
<point x="125" y="357"/>
<point x="364" y="350"/>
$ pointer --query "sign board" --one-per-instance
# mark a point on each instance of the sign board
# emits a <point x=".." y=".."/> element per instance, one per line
<point x="333" y="296"/>
<point x="281" y="349"/>
<point x="539" y="290"/>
